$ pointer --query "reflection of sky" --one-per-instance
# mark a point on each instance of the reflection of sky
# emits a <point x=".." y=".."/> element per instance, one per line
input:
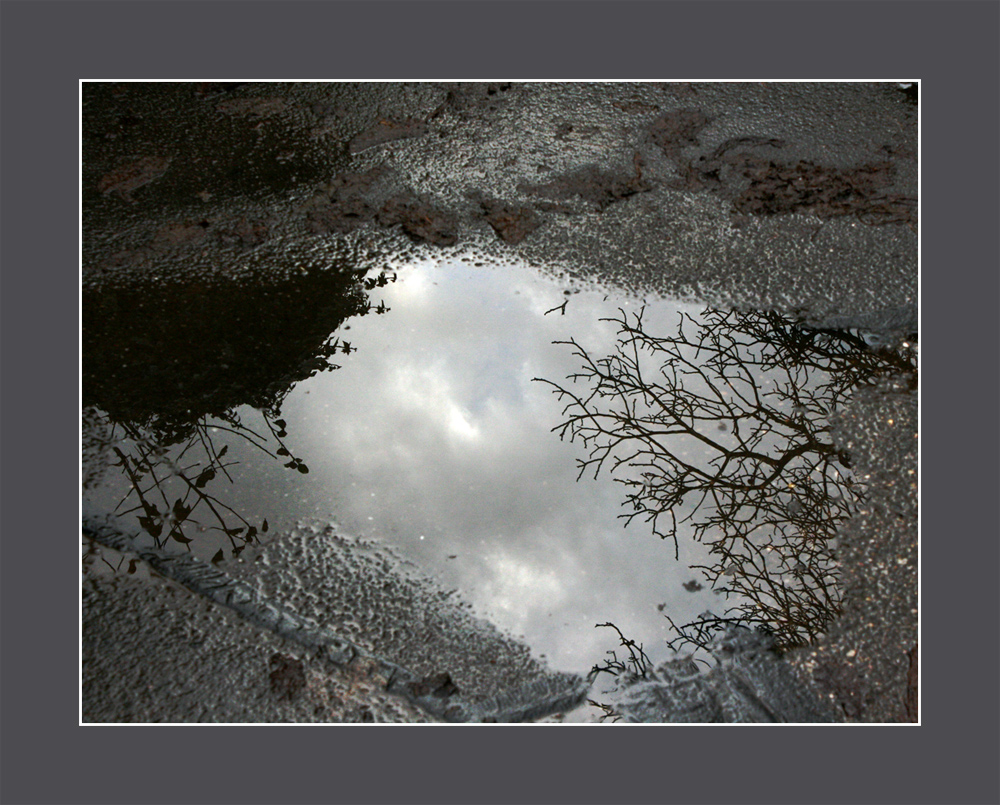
<point x="433" y="437"/>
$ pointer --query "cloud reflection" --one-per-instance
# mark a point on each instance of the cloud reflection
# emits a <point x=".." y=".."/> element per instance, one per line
<point x="433" y="437"/>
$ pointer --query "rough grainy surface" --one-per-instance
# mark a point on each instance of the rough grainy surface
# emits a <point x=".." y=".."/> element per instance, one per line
<point x="868" y="664"/>
<point x="365" y="589"/>
<point x="152" y="652"/>
<point x="749" y="684"/>
<point x="343" y="608"/>
<point x="798" y="197"/>
<point x="95" y="447"/>
<point x="607" y="169"/>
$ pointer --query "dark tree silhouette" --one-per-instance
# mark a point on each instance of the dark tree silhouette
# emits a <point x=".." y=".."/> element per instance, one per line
<point x="162" y="354"/>
<point x="166" y="365"/>
<point x="725" y="425"/>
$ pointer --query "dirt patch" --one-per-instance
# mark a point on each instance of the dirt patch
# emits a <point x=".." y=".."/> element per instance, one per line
<point x="634" y="106"/>
<point x="345" y="204"/>
<point x="438" y="685"/>
<point x="131" y="174"/>
<point x="776" y="187"/>
<point x="708" y="171"/>
<point x="592" y="184"/>
<point x="511" y="222"/>
<point x="421" y="220"/>
<point x="246" y="232"/>
<point x="349" y="202"/>
<point x="473" y="98"/>
<point x="565" y="130"/>
<point x="677" y="130"/>
<point x="288" y="676"/>
<point x="386" y="131"/>
<point x="183" y="233"/>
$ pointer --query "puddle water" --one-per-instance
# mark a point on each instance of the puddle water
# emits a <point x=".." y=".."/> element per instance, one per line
<point x="439" y="434"/>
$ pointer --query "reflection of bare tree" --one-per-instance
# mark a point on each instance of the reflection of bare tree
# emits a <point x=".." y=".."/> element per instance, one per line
<point x="727" y="430"/>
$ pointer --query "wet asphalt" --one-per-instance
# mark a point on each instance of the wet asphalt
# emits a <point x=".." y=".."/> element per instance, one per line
<point x="794" y="197"/>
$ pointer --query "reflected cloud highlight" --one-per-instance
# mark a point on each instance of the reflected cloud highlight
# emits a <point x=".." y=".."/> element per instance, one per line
<point x="448" y="449"/>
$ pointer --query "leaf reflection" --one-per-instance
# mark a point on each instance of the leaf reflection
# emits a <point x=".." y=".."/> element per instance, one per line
<point x="167" y="386"/>
<point x="170" y="487"/>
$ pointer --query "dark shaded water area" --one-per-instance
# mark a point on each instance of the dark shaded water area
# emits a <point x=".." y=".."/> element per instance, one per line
<point x="553" y="454"/>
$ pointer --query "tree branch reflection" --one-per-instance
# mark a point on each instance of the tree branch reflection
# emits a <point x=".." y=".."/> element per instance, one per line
<point x="724" y="426"/>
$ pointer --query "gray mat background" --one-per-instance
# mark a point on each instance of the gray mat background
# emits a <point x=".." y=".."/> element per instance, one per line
<point x="47" y="47"/>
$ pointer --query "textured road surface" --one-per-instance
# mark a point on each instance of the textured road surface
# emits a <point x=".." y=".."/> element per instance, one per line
<point x="797" y="197"/>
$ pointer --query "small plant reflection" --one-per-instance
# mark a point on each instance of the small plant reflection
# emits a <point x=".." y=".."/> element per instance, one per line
<point x="724" y="425"/>
<point x="636" y="666"/>
<point x="168" y="455"/>
<point x="168" y="484"/>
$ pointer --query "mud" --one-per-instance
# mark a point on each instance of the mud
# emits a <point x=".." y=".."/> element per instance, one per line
<point x="511" y="222"/>
<point x="349" y="203"/>
<point x="132" y="174"/>
<point x="288" y="677"/>
<point x="593" y="185"/>
<point x="675" y="131"/>
<point x="345" y="204"/>
<point x="421" y="220"/>
<point x="385" y="131"/>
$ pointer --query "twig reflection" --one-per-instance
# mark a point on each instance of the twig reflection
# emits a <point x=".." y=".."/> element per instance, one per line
<point x="724" y="426"/>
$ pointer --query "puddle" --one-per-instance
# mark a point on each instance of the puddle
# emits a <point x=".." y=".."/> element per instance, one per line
<point x="422" y="406"/>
